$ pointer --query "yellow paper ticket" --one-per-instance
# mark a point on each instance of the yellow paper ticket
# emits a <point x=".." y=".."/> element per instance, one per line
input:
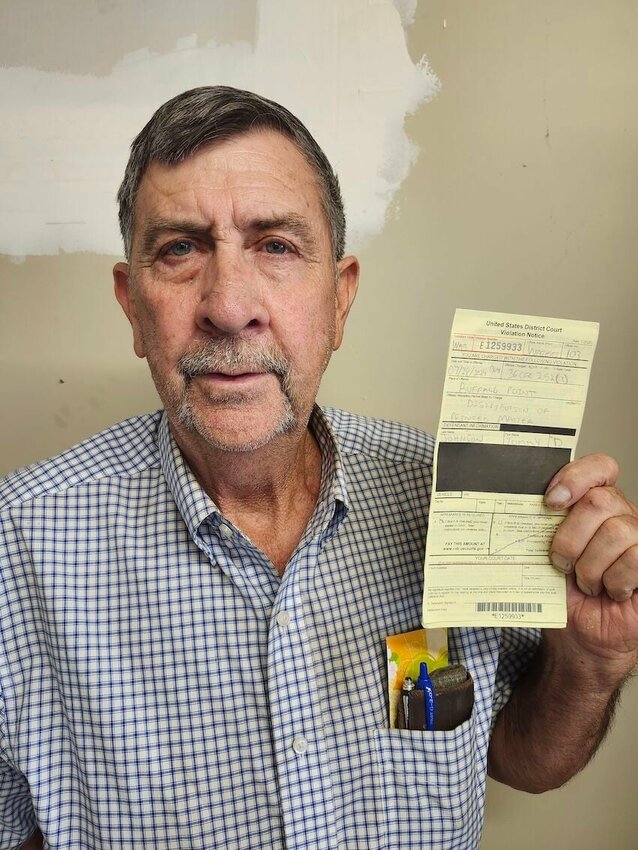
<point x="513" y="402"/>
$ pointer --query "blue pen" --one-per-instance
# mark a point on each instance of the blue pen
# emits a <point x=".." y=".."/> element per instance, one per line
<point x="424" y="683"/>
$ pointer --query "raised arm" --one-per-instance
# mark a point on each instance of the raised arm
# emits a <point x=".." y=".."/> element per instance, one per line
<point x="34" y="843"/>
<point x="560" y="710"/>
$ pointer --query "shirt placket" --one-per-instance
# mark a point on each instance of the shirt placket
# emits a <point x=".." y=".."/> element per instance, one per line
<point x="243" y="563"/>
<point x="296" y="715"/>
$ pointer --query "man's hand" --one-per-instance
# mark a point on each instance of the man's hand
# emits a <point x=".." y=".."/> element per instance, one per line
<point x="561" y="708"/>
<point x="597" y="546"/>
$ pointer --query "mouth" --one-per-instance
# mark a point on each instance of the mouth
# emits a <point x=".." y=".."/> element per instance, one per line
<point x="233" y="378"/>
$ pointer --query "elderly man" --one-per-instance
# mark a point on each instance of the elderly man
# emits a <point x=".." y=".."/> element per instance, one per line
<point x="194" y="603"/>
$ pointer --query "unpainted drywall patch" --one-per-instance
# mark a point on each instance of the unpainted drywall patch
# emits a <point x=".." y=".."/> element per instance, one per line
<point x="341" y="65"/>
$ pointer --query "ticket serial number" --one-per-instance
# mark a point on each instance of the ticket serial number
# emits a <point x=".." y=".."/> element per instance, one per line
<point x="499" y="345"/>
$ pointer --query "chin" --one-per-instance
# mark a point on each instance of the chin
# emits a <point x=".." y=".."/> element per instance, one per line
<point x="232" y="430"/>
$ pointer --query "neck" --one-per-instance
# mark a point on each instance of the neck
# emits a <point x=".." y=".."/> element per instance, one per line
<point x="269" y="494"/>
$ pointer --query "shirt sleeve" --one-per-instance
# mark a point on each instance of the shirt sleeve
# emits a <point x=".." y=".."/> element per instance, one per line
<point x="517" y="649"/>
<point x="17" y="817"/>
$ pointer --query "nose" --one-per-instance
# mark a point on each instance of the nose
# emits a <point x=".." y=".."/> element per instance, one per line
<point x="232" y="302"/>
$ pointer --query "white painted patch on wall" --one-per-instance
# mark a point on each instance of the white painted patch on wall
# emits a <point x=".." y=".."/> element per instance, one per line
<point x="341" y="65"/>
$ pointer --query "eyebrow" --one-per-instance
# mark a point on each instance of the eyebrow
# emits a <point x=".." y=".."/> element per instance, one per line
<point x="295" y="224"/>
<point x="159" y="227"/>
<point x="291" y="222"/>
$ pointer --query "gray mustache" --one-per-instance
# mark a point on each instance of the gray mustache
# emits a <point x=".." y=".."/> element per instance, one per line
<point x="234" y="356"/>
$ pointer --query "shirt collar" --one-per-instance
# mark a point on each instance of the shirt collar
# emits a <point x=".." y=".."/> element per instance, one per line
<point x="191" y="500"/>
<point x="333" y="479"/>
<point x="196" y="506"/>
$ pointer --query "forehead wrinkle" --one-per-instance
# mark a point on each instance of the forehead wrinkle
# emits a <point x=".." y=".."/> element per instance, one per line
<point x="230" y="188"/>
<point x="292" y="223"/>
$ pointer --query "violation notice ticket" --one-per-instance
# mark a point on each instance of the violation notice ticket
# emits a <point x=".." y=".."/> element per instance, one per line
<point x="513" y="402"/>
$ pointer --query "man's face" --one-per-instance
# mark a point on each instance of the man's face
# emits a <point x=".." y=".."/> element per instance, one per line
<point x="232" y="291"/>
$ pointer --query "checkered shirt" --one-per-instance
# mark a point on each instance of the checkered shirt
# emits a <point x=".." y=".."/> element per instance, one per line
<point x="162" y="686"/>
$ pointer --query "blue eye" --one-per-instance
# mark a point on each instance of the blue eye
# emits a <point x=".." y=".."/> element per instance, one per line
<point x="181" y="248"/>
<point x="276" y="246"/>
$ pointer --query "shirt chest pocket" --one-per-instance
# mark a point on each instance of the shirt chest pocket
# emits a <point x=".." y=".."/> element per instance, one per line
<point x="431" y="788"/>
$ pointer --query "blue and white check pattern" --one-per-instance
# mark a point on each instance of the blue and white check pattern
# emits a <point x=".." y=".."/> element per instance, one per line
<point x="162" y="686"/>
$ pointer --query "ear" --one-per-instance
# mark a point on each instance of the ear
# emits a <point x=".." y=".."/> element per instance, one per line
<point x="123" y="292"/>
<point x="347" y="285"/>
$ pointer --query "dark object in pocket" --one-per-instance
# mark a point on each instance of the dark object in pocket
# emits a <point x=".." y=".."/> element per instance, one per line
<point x="454" y="700"/>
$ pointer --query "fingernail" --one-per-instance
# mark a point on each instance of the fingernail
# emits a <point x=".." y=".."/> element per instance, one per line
<point x="585" y="588"/>
<point x="560" y="563"/>
<point x="558" y="496"/>
<point x="621" y="596"/>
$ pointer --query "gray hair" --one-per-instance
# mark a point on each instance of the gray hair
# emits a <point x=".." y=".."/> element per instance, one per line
<point x="209" y="114"/>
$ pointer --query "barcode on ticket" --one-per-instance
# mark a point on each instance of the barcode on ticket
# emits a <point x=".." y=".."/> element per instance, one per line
<point x="510" y="607"/>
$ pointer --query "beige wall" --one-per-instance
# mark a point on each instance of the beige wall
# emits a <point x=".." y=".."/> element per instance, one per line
<point x="523" y="199"/>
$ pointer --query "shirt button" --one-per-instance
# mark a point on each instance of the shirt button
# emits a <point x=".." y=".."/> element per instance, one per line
<point x="225" y="531"/>
<point x="300" y="745"/>
<point x="283" y="619"/>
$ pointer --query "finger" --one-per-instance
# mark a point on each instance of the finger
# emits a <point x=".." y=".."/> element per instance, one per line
<point x="621" y="579"/>
<point x="608" y="559"/>
<point x="584" y="520"/>
<point x="572" y="481"/>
